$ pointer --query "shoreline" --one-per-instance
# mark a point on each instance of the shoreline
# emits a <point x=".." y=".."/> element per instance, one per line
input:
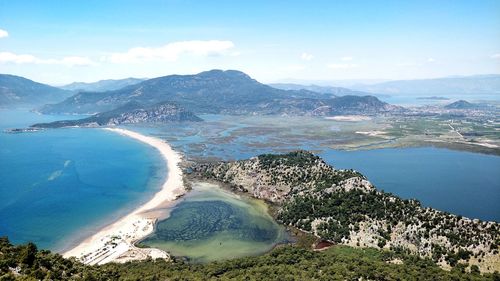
<point x="116" y="242"/>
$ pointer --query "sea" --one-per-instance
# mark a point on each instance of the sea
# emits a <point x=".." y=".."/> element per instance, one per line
<point x="59" y="186"/>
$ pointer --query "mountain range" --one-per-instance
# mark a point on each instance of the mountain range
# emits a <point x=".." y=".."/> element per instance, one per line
<point x="476" y="84"/>
<point x="16" y="90"/>
<point x="328" y="91"/>
<point x="219" y="92"/>
<point x="102" y="85"/>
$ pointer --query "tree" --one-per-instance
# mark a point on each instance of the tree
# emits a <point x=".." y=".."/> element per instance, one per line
<point x="28" y="254"/>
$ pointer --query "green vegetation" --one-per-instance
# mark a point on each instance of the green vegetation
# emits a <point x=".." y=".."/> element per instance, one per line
<point x="343" y="211"/>
<point x="283" y="263"/>
<point x="295" y="158"/>
<point x="26" y="262"/>
<point x="303" y="161"/>
<point x="281" y="175"/>
<point x="346" y="209"/>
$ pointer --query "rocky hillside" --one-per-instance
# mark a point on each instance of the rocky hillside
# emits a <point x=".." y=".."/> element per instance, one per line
<point x="343" y="207"/>
<point x="276" y="177"/>
<point x="130" y="113"/>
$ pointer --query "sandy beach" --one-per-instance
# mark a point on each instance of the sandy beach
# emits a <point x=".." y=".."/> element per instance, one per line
<point x="116" y="241"/>
<point x="349" y="118"/>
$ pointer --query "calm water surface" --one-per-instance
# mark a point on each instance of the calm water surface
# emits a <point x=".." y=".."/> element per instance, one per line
<point x="213" y="224"/>
<point x="59" y="186"/>
<point x="458" y="182"/>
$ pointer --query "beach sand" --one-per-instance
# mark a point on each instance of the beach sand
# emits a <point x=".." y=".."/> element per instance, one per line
<point x="349" y="118"/>
<point x="116" y="241"/>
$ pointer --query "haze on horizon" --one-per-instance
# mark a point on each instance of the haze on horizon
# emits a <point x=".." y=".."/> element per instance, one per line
<point x="59" y="42"/>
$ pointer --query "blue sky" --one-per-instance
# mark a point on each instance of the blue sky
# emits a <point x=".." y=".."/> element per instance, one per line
<point x="63" y="41"/>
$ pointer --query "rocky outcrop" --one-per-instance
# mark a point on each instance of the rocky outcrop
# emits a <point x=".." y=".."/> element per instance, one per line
<point x="130" y="113"/>
<point x="164" y="112"/>
<point x="275" y="178"/>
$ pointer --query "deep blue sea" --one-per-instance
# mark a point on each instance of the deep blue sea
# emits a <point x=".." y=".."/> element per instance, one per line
<point x="58" y="186"/>
<point x="462" y="183"/>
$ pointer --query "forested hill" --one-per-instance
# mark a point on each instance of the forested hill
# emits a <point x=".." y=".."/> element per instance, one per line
<point x="26" y="262"/>
<point x="343" y="207"/>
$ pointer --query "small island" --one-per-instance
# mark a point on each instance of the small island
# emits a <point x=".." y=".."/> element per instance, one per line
<point x="433" y="98"/>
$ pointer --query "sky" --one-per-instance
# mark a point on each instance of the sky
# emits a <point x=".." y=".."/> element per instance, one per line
<point x="58" y="42"/>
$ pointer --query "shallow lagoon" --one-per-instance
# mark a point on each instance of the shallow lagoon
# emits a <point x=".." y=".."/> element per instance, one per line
<point x="213" y="224"/>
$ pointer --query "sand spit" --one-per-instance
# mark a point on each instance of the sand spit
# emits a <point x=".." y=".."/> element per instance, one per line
<point x="116" y="241"/>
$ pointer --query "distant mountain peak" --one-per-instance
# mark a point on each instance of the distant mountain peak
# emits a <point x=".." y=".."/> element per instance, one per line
<point x="231" y="74"/>
<point x="102" y="85"/>
<point x="223" y="72"/>
<point x="460" y="104"/>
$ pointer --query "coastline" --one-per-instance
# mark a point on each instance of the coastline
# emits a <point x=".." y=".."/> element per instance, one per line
<point x="115" y="242"/>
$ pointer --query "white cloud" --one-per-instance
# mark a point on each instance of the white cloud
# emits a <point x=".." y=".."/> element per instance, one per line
<point x="346" y="59"/>
<point x="8" y="57"/>
<point x="11" y="57"/>
<point x="496" y="56"/>
<point x="342" y="65"/>
<point x="3" y="33"/>
<point x="431" y="60"/>
<point x="172" y="51"/>
<point x="306" y="56"/>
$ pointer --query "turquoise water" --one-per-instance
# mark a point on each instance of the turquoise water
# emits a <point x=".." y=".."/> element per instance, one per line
<point x="59" y="186"/>
<point x="212" y="224"/>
